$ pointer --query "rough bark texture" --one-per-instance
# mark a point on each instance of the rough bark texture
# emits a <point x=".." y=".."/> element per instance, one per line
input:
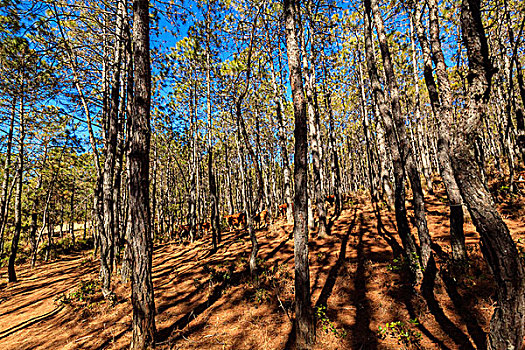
<point x="304" y="322"/>
<point x="409" y="245"/>
<point x="139" y="209"/>
<point x="442" y="107"/>
<point x="506" y="325"/>
<point x="314" y="131"/>
<point x="407" y="155"/>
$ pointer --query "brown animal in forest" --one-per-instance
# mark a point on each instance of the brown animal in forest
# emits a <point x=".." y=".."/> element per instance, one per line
<point x="260" y="218"/>
<point x="330" y="199"/>
<point x="205" y="226"/>
<point x="181" y="231"/>
<point x="283" y="207"/>
<point x="236" y="220"/>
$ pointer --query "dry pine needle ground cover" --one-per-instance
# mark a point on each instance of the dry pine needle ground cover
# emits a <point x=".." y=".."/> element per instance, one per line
<point x="208" y="301"/>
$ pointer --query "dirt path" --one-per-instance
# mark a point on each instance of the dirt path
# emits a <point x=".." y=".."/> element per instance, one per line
<point x="208" y="301"/>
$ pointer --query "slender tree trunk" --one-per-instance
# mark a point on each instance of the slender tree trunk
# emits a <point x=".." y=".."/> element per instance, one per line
<point x="407" y="156"/>
<point x="409" y="245"/>
<point x="425" y="164"/>
<point x="304" y="318"/>
<point x="335" y="170"/>
<point x="125" y="270"/>
<point x="247" y="200"/>
<point x="142" y="297"/>
<point x="18" y="199"/>
<point x="214" y="198"/>
<point x="107" y="246"/>
<point x="4" y="203"/>
<point x="314" y="131"/>
<point x="384" y="163"/>
<point x="45" y="215"/>
<point x="72" y="216"/>
<point x="283" y="146"/>
<point x="366" y="131"/>
<point x="442" y="104"/>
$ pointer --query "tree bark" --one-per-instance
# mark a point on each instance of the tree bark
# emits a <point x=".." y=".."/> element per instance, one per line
<point x="406" y="152"/>
<point x="314" y="129"/>
<point x="506" y="325"/>
<point x="4" y="203"/>
<point x="142" y="297"/>
<point x="304" y="318"/>
<point x="409" y="245"/>
<point x="214" y="198"/>
<point x="18" y="199"/>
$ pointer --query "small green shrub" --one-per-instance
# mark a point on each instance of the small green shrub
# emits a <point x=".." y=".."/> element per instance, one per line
<point x="403" y="264"/>
<point x="399" y="330"/>
<point x="327" y="325"/>
<point x="86" y="294"/>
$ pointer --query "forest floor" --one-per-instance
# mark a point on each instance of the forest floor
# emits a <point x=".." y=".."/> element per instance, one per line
<point x="209" y="301"/>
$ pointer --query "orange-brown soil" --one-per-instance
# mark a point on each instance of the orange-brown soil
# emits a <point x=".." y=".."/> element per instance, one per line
<point x="209" y="301"/>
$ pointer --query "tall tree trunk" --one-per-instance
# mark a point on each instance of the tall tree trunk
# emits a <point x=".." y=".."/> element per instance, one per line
<point x="335" y="170"/>
<point x="425" y="164"/>
<point x="282" y="140"/>
<point x="506" y="325"/>
<point x="139" y="210"/>
<point x="384" y="163"/>
<point x="442" y="104"/>
<point x="125" y="270"/>
<point x="304" y="318"/>
<point x="314" y="129"/>
<point x="18" y="199"/>
<point x="366" y="131"/>
<point x="4" y="203"/>
<point x="110" y="149"/>
<point x="409" y="245"/>
<point x="72" y="216"/>
<point x="36" y="204"/>
<point x="214" y="198"/>
<point x="407" y="155"/>
<point x="247" y="200"/>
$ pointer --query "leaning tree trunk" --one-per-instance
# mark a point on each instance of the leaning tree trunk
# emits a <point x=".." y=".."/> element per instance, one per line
<point x="423" y="153"/>
<point x="506" y="325"/>
<point x="304" y="318"/>
<point x="139" y="210"/>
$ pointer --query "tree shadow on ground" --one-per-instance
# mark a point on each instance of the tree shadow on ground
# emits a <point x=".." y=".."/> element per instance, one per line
<point x="405" y="294"/>
<point x="427" y="289"/>
<point x="363" y="336"/>
<point x="334" y="271"/>
<point x="164" y="334"/>
<point x="467" y="313"/>
<point x="397" y="250"/>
